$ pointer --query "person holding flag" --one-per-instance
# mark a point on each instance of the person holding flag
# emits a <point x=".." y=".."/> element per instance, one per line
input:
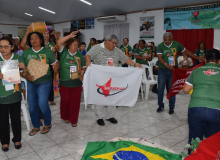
<point x="167" y="56"/>
<point x="107" y="54"/>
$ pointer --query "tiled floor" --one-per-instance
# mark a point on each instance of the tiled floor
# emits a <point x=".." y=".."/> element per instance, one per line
<point x="141" y="121"/>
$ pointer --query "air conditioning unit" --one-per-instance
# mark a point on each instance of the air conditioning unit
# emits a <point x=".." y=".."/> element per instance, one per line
<point x="112" y="19"/>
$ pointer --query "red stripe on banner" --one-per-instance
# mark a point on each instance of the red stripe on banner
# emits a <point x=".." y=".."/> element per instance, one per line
<point x="179" y="79"/>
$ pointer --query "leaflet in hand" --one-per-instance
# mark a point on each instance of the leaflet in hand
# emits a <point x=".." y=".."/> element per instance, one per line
<point x="10" y="71"/>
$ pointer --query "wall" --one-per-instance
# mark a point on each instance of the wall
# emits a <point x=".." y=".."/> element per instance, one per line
<point x="132" y="19"/>
<point x="11" y="29"/>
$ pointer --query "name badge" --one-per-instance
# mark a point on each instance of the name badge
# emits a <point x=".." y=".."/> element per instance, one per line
<point x="110" y="62"/>
<point x="171" y="61"/>
<point x="72" y="70"/>
<point x="9" y="87"/>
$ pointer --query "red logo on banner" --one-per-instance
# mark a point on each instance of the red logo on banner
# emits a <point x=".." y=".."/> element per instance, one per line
<point x="107" y="88"/>
<point x="196" y="13"/>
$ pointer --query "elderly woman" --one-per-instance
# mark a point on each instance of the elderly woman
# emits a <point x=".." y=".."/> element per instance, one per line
<point x="204" y="108"/>
<point x="10" y="99"/>
<point x="38" y="90"/>
<point x="184" y="62"/>
<point x="18" y="47"/>
<point x="71" y="62"/>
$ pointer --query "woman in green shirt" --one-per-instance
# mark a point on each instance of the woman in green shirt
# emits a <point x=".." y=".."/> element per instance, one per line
<point x="38" y="89"/>
<point x="10" y="98"/>
<point x="204" y="106"/>
<point x="72" y="67"/>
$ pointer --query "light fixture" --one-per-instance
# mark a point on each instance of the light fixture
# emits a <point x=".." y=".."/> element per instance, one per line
<point x="28" y="14"/>
<point x="86" y="2"/>
<point x="47" y="10"/>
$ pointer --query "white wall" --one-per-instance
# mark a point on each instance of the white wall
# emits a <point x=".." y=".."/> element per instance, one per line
<point x="11" y="29"/>
<point x="132" y="19"/>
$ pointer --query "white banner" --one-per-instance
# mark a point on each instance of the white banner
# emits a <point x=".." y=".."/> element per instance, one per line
<point x="146" y="27"/>
<point x="111" y="86"/>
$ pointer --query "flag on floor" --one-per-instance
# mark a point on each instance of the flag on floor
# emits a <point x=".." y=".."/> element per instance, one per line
<point x="208" y="149"/>
<point x="111" y="86"/>
<point x="125" y="150"/>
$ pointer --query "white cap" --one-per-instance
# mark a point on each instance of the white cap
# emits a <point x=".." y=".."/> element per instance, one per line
<point x="148" y="44"/>
<point x="217" y="48"/>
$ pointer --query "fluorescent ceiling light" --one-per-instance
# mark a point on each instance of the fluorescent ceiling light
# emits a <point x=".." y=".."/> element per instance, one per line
<point x="86" y="2"/>
<point x="47" y="10"/>
<point x="28" y="14"/>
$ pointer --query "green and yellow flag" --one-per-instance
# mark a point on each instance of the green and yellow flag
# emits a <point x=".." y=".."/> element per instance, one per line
<point x="125" y="150"/>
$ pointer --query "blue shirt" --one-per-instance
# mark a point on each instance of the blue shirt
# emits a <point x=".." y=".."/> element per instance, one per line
<point x="83" y="53"/>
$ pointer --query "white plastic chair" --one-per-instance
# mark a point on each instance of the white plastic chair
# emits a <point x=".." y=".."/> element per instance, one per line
<point x="24" y="106"/>
<point x="153" y="63"/>
<point x="148" y="82"/>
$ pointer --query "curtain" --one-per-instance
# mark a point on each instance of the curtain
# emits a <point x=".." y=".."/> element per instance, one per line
<point x="121" y="30"/>
<point x="190" y="38"/>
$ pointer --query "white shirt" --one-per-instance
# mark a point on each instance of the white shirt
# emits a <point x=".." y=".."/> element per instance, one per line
<point x="180" y="58"/>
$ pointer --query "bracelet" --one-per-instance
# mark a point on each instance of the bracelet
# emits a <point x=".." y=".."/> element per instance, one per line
<point x="134" y="64"/>
<point x="165" y="64"/>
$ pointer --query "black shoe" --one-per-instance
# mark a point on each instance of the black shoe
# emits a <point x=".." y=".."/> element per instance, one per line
<point x="171" y="111"/>
<point x="112" y="120"/>
<point x="18" y="146"/>
<point x="160" y="109"/>
<point x="100" y="122"/>
<point x="5" y="149"/>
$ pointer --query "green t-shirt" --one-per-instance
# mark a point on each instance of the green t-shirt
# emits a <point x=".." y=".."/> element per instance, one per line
<point x="142" y="53"/>
<point x="44" y="55"/>
<point x="201" y="53"/>
<point x="89" y="47"/>
<point x="10" y="96"/>
<point x="68" y="60"/>
<point x="150" y="52"/>
<point x="49" y="45"/>
<point x="206" y="86"/>
<point x="169" y="53"/>
<point x="126" y="50"/>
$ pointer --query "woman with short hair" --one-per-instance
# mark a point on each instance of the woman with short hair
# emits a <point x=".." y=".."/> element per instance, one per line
<point x="71" y="62"/>
<point x="10" y="99"/>
<point x="38" y="90"/>
<point x="204" y="106"/>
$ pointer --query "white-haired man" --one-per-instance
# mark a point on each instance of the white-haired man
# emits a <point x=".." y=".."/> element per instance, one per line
<point x="106" y="54"/>
<point x="167" y="56"/>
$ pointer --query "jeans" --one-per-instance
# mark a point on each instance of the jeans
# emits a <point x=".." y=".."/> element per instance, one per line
<point x="203" y="122"/>
<point x="165" y="76"/>
<point x="38" y="95"/>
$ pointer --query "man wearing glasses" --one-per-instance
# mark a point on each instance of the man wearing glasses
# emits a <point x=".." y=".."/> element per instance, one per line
<point x="107" y="54"/>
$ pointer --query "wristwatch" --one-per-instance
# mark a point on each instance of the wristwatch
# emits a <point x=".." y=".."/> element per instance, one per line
<point x="165" y="64"/>
<point x="134" y="64"/>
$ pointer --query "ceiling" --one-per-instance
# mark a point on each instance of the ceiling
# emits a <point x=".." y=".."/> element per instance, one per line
<point x="67" y="10"/>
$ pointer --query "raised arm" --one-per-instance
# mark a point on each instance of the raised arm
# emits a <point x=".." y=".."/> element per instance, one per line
<point x="24" y="40"/>
<point x="62" y="40"/>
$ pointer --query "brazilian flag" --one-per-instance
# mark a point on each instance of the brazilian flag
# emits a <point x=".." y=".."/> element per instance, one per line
<point x="125" y="150"/>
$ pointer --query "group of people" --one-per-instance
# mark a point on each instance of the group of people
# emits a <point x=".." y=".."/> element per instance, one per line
<point x="70" y="59"/>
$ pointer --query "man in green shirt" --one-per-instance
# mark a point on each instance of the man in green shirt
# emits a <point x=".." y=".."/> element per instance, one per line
<point x="142" y="54"/>
<point x="127" y="50"/>
<point x="167" y="56"/>
<point x="91" y="44"/>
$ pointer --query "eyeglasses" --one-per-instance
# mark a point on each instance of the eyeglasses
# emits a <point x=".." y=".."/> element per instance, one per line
<point x="115" y="43"/>
<point x="6" y="47"/>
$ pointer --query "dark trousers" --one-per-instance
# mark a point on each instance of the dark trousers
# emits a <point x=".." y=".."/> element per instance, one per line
<point x="14" y="110"/>
<point x="203" y="122"/>
<point x="51" y="95"/>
